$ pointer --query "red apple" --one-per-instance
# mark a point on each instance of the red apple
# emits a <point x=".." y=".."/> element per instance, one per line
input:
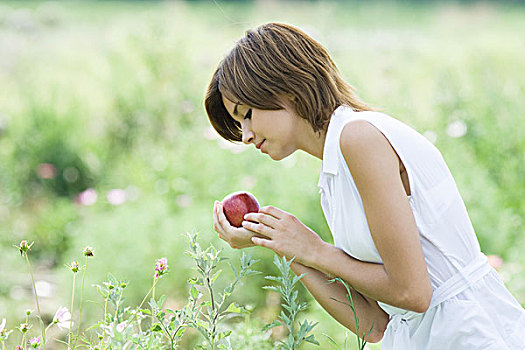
<point x="238" y="204"/>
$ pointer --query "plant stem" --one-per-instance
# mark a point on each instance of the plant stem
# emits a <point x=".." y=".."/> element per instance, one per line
<point x="71" y="308"/>
<point x="81" y="297"/>
<point x="153" y="292"/>
<point x="215" y="313"/>
<point x="36" y="299"/>
<point x="143" y="300"/>
<point x="105" y="320"/>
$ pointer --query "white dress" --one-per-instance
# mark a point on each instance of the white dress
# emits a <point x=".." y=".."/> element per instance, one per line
<point x="470" y="307"/>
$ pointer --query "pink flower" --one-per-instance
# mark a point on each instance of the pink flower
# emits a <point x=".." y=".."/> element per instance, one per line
<point x="161" y="267"/>
<point x="46" y="171"/>
<point x="495" y="261"/>
<point x="19" y="347"/>
<point x="121" y="326"/>
<point x="62" y="318"/>
<point x="87" y="197"/>
<point x="35" y="342"/>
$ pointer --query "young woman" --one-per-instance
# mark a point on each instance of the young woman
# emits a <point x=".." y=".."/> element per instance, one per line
<point x="403" y="239"/>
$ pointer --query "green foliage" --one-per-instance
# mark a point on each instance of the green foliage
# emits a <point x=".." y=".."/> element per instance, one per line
<point x="111" y="96"/>
<point x="288" y="317"/>
<point x="361" y="342"/>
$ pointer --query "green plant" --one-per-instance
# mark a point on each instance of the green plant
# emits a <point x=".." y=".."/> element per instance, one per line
<point x="214" y="310"/>
<point x="288" y="316"/>
<point x="361" y="342"/>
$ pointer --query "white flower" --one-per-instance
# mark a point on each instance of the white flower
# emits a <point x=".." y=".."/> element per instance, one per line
<point x="62" y="318"/>
<point x="2" y="325"/>
<point x="457" y="129"/>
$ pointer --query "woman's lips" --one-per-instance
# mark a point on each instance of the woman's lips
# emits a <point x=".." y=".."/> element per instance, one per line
<point x="261" y="146"/>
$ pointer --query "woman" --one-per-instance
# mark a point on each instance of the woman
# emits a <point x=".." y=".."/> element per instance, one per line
<point x="403" y="238"/>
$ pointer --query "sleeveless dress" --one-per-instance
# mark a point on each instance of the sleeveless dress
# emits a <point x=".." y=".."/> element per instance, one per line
<point x="470" y="306"/>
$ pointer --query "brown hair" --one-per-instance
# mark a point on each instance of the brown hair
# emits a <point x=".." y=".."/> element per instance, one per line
<point x="272" y="62"/>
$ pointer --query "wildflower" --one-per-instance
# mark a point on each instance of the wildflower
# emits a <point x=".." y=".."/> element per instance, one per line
<point x="24" y="327"/>
<point x="161" y="267"/>
<point x="121" y="326"/>
<point x="116" y="196"/>
<point x="62" y="318"/>
<point x="19" y="347"/>
<point x="87" y="197"/>
<point x="2" y="327"/>
<point x="123" y="285"/>
<point x="457" y="129"/>
<point x="495" y="261"/>
<point x="74" y="266"/>
<point x="88" y="251"/>
<point x="35" y="341"/>
<point x="24" y="247"/>
<point x="46" y="171"/>
<point x="28" y="312"/>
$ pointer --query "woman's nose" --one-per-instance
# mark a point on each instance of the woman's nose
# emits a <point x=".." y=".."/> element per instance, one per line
<point x="247" y="134"/>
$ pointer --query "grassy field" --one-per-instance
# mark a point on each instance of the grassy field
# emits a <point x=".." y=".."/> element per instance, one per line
<point x="111" y="95"/>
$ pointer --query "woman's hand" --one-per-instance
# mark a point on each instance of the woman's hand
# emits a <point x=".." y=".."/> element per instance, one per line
<point x="284" y="234"/>
<point x="237" y="238"/>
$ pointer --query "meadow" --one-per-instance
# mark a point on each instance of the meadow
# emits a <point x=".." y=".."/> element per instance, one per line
<point x="104" y="141"/>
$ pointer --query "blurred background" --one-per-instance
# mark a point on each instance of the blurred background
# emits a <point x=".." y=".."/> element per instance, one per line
<point x="104" y="141"/>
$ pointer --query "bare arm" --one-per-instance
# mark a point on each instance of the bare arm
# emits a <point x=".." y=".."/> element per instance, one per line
<point x="370" y="315"/>
<point x="402" y="280"/>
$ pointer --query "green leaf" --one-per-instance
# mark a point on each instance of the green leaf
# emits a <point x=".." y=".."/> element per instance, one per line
<point x="233" y="308"/>
<point x="145" y="311"/>
<point x="275" y="323"/>
<point x="180" y="332"/>
<point x="311" y="339"/>
<point x="156" y="327"/>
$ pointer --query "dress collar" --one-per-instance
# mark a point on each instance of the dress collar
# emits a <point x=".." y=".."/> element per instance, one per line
<point x="331" y="143"/>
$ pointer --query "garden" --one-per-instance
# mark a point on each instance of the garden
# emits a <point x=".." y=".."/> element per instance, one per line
<point x="109" y="168"/>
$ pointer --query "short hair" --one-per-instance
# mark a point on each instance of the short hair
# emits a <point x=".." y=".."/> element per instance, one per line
<point x="271" y="63"/>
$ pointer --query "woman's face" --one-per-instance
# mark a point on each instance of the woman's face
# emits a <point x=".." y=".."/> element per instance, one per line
<point x="273" y="132"/>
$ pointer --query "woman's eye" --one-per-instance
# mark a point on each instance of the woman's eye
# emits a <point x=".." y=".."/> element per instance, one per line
<point x="248" y="114"/>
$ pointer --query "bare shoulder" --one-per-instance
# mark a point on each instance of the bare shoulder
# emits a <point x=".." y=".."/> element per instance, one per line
<point x="362" y="143"/>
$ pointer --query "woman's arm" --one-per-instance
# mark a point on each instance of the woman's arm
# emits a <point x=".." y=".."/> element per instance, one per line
<point x="402" y="280"/>
<point x="370" y="315"/>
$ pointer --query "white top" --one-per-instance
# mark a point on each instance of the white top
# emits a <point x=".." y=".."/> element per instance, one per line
<point x="470" y="308"/>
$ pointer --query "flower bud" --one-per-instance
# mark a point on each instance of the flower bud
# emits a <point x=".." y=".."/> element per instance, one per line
<point x="28" y="312"/>
<point x="24" y="247"/>
<point x="74" y="266"/>
<point x="123" y="285"/>
<point x="24" y="327"/>
<point x="88" y="251"/>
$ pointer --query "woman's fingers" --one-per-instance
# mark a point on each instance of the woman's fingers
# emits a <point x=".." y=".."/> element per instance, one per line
<point x="261" y="229"/>
<point x="222" y="218"/>
<point x="263" y="219"/>
<point x="271" y="210"/>
<point x="261" y="242"/>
